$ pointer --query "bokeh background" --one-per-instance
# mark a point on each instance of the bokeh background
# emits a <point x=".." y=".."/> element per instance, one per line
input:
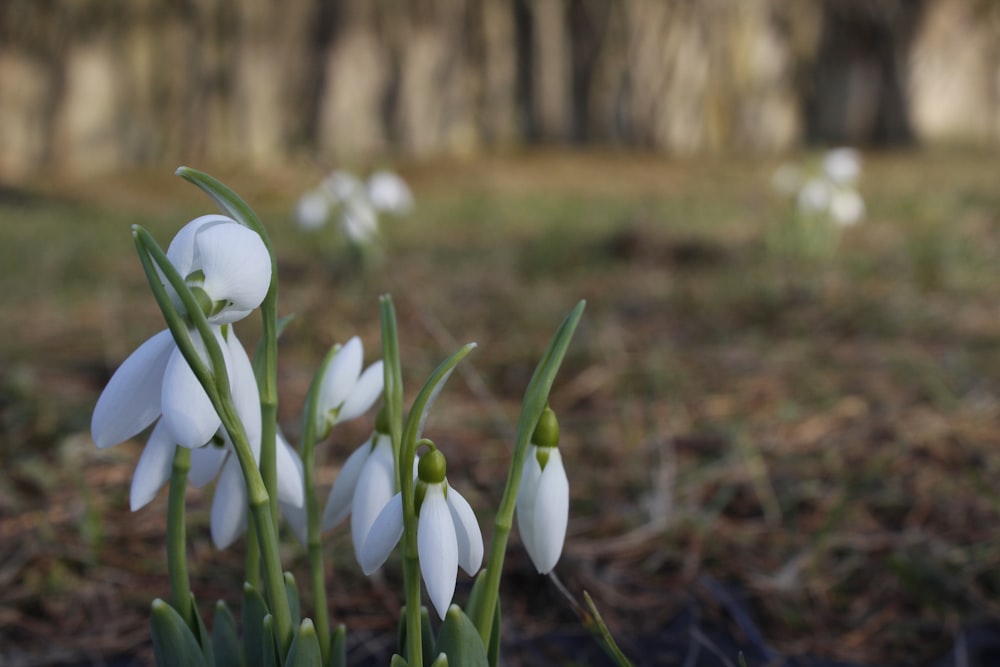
<point x="771" y="449"/>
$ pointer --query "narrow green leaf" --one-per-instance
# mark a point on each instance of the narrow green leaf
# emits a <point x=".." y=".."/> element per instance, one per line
<point x="269" y="652"/>
<point x="204" y="638"/>
<point x="254" y="611"/>
<point x="338" y="647"/>
<point x="225" y="639"/>
<point x="441" y="661"/>
<point x="596" y="625"/>
<point x="227" y="200"/>
<point x="460" y="641"/>
<point x="174" y="645"/>
<point x="426" y="635"/>
<point x="304" y="651"/>
<point x="493" y="650"/>
<point x="397" y="661"/>
<point x="294" y="602"/>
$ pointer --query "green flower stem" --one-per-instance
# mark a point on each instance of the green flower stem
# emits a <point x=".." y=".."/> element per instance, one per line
<point x="216" y="385"/>
<point x="535" y="399"/>
<point x="252" y="559"/>
<point x="180" y="584"/>
<point x="314" y="543"/>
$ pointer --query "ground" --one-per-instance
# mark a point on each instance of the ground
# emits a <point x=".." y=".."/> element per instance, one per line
<point x="758" y="438"/>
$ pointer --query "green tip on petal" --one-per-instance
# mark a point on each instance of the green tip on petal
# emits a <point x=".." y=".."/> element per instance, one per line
<point x="547" y="430"/>
<point x="432" y="467"/>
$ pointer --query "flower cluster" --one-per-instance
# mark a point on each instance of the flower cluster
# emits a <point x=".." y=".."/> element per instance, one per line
<point x="354" y="203"/>
<point x="831" y="191"/>
<point x="212" y="412"/>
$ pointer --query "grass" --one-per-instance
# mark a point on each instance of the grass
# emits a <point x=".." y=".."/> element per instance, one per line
<point x="818" y="433"/>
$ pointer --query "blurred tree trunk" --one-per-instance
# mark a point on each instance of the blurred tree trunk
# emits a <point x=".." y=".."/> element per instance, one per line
<point x="102" y="84"/>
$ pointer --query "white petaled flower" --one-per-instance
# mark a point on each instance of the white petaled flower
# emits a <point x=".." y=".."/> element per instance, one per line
<point x="847" y="207"/>
<point x="229" y="266"/>
<point x="359" y="220"/>
<point x="543" y="497"/>
<point x="389" y="193"/>
<point x="842" y="165"/>
<point x="345" y="391"/>
<point x="343" y="185"/>
<point x="814" y="197"/>
<point x="312" y="210"/>
<point x="448" y="535"/>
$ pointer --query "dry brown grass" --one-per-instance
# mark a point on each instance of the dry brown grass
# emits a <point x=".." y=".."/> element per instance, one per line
<point x="821" y="437"/>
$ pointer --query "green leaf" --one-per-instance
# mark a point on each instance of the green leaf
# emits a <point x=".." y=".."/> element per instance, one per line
<point x="426" y="635"/>
<point x="254" y="611"/>
<point x="441" y="661"/>
<point x="227" y="200"/>
<point x="475" y="599"/>
<point x="460" y="641"/>
<point x="204" y="638"/>
<point x="304" y="651"/>
<point x="597" y="627"/>
<point x="338" y="647"/>
<point x="268" y="649"/>
<point x="259" y="358"/>
<point x="225" y="639"/>
<point x="174" y="645"/>
<point x="294" y="603"/>
<point x="397" y="661"/>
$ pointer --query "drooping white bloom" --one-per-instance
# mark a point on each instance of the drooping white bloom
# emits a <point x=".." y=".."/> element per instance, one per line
<point x="343" y="185"/>
<point x="389" y="193"/>
<point x="448" y="535"/>
<point x="847" y="207"/>
<point x="312" y="210"/>
<point x="229" y="264"/>
<point x="345" y="392"/>
<point x="842" y="165"/>
<point x="359" y="220"/>
<point x="543" y="506"/>
<point x="814" y="197"/>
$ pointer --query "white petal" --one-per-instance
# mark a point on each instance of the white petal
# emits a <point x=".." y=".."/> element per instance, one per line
<point x="338" y="505"/>
<point x="229" y="506"/>
<point x="312" y="210"/>
<point x="183" y="249"/>
<point x="153" y="469"/>
<point x="383" y="536"/>
<point x="339" y="379"/>
<point x="467" y="533"/>
<point x="376" y="486"/>
<point x="342" y="185"/>
<point x="295" y="517"/>
<point x="246" y="396"/>
<point x="551" y="514"/>
<point x="359" y="220"/>
<point x="291" y="489"/>
<point x="437" y="547"/>
<point x="205" y="464"/>
<point x="131" y="401"/>
<point x="366" y="391"/>
<point x="526" y="496"/>
<point x="389" y="192"/>
<point x="237" y="267"/>
<point x="187" y="410"/>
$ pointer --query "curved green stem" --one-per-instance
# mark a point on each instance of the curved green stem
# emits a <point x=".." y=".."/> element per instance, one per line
<point x="215" y="381"/>
<point x="180" y="584"/>
<point x="535" y="398"/>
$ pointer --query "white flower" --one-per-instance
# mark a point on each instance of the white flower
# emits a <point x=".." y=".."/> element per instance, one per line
<point x="229" y="266"/>
<point x="359" y="220"/>
<point x="226" y="260"/>
<point x="814" y="197"/>
<point x="343" y="185"/>
<point x="847" y="207"/>
<point x="842" y="165"/>
<point x="448" y="537"/>
<point x="345" y="392"/>
<point x="312" y="210"/>
<point x="388" y="192"/>
<point x="543" y="507"/>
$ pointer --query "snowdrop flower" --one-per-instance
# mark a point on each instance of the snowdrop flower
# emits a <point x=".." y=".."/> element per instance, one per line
<point x="359" y="220"/>
<point x="814" y="197"/>
<point x="842" y="165"/>
<point x="229" y="270"/>
<point x="388" y="192"/>
<point x="543" y="498"/>
<point x="342" y="186"/>
<point x="312" y="210"/>
<point x="847" y="207"/>
<point x="345" y="392"/>
<point x="448" y="535"/>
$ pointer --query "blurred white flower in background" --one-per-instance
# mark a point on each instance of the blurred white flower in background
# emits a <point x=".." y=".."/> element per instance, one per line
<point x="828" y="191"/>
<point x="354" y="204"/>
